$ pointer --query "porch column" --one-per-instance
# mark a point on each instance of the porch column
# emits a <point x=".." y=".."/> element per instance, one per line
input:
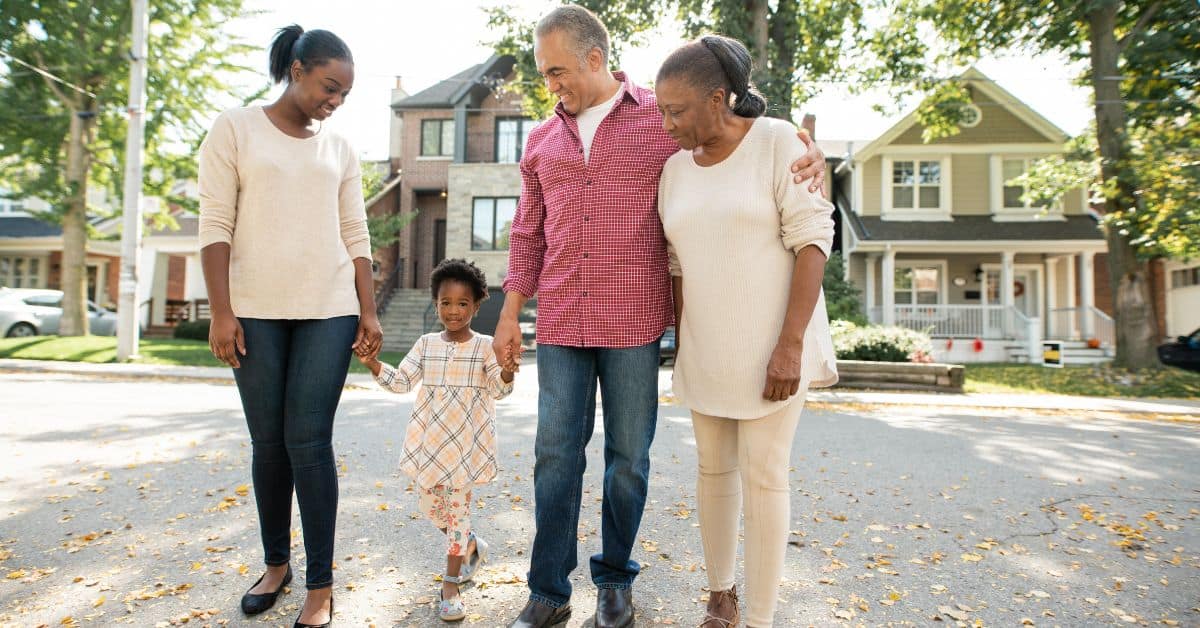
<point x="1006" y="291"/>
<point x="1072" y="329"/>
<point x="1051" y="297"/>
<point x="1087" y="295"/>
<point x="872" y="260"/>
<point x="889" y="293"/>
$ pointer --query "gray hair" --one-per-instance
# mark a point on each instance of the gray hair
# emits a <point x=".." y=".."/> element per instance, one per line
<point x="585" y="29"/>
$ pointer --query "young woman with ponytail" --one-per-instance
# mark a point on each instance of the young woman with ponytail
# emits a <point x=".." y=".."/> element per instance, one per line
<point x="747" y="251"/>
<point x="287" y="262"/>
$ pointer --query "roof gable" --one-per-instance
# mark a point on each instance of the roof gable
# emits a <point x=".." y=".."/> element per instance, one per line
<point x="1001" y="110"/>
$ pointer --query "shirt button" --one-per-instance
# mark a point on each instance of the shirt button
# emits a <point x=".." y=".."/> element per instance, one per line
<point x="585" y="293"/>
<point x="588" y="182"/>
<point x="585" y="256"/>
<point x="586" y="218"/>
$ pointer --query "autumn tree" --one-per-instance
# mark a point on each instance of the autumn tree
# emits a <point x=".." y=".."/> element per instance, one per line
<point x="64" y="82"/>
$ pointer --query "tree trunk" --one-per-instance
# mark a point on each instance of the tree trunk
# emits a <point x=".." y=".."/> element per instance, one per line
<point x="1129" y="278"/>
<point x="779" y="82"/>
<point x="74" y="321"/>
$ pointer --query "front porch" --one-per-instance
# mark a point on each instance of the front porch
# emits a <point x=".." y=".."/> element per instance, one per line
<point x="988" y="306"/>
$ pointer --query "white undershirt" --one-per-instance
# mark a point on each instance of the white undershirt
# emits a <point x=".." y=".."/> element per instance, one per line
<point x="589" y="120"/>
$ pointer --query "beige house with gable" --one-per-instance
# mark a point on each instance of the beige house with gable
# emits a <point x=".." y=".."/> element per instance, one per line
<point x="937" y="238"/>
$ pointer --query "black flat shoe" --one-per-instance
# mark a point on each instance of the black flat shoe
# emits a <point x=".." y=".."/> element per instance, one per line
<point x="327" y="624"/>
<point x="255" y="603"/>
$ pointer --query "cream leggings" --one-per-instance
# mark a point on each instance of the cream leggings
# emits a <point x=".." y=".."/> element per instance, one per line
<point x="746" y="460"/>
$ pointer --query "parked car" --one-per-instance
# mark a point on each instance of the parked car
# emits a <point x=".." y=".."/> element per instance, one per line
<point x="666" y="347"/>
<point x="26" y="312"/>
<point x="1184" y="352"/>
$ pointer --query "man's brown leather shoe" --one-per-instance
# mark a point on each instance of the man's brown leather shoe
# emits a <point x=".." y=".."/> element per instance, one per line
<point x="614" y="608"/>
<point x="538" y="615"/>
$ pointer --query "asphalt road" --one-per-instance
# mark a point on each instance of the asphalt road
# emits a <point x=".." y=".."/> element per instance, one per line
<point x="125" y="503"/>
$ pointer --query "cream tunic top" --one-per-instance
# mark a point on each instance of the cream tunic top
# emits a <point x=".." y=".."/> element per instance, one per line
<point x="733" y="231"/>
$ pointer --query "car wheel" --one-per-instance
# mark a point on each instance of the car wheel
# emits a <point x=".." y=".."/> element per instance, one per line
<point x="21" y="330"/>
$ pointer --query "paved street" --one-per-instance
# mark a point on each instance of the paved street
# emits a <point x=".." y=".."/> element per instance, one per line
<point x="126" y="502"/>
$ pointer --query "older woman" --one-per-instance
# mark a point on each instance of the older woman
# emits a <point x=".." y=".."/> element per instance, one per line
<point x="747" y="250"/>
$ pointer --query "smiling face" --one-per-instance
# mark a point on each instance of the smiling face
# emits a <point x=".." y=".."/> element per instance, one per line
<point x="319" y="91"/>
<point x="689" y="116"/>
<point x="456" y="305"/>
<point x="575" y="82"/>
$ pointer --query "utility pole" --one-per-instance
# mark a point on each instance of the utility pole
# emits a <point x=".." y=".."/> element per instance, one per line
<point x="131" y="231"/>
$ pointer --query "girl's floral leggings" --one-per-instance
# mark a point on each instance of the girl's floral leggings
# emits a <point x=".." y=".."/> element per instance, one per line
<point x="449" y="509"/>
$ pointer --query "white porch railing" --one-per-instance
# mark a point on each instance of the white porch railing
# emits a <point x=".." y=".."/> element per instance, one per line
<point x="1081" y="323"/>
<point x="988" y="322"/>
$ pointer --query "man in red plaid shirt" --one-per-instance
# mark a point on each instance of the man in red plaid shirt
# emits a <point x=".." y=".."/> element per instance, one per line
<point x="587" y="241"/>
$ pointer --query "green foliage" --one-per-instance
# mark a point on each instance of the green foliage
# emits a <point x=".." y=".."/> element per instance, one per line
<point x="383" y="228"/>
<point x="188" y="77"/>
<point x="841" y="296"/>
<point x="802" y="38"/>
<point x="192" y="330"/>
<point x="880" y="344"/>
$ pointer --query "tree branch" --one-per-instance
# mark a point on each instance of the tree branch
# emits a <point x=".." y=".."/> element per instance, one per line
<point x="61" y="95"/>
<point x="1138" y="27"/>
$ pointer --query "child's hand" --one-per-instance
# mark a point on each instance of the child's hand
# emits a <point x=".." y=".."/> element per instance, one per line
<point x="507" y="376"/>
<point x="368" y="361"/>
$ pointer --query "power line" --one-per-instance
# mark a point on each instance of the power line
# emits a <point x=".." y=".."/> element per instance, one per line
<point x="49" y="75"/>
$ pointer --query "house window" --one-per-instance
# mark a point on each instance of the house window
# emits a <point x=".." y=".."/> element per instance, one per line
<point x="490" y="223"/>
<point x="1009" y="170"/>
<point x="918" y="285"/>
<point x="437" y="138"/>
<point x="21" y="272"/>
<point x="1185" y="277"/>
<point x="916" y="184"/>
<point x="511" y="136"/>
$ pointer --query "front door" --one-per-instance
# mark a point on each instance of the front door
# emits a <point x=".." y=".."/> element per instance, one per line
<point x="1027" y="289"/>
<point x="439" y="241"/>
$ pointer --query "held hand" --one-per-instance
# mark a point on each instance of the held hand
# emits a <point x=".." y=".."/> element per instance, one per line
<point x="226" y="339"/>
<point x="369" y="339"/>
<point x="811" y="165"/>
<point x="507" y="344"/>
<point x="783" y="371"/>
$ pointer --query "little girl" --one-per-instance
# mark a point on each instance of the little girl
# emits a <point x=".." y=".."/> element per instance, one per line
<point x="450" y="445"/>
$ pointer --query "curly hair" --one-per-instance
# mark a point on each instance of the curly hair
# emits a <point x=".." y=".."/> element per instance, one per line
<point x="462" y="271"/>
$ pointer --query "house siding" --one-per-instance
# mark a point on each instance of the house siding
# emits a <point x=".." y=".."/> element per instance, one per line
<point x="997" y="126"/>
<point x="871" y="191"/>
<point x="468" y="181"/>
<point x="969" y="187"/>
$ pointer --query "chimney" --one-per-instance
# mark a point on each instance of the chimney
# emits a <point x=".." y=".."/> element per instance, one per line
<point x="810" y="124"/>
<point x="398" y="85"/>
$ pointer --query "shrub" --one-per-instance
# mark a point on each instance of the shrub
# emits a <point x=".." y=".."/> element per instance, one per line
<point x="880" y="344"/>
<point x="192" y="330"/>
<point x="841" y="296"/>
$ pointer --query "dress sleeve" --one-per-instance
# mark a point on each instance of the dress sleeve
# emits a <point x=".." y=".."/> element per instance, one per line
<point x="805" y="218"/>
<point x="408" y="374"/>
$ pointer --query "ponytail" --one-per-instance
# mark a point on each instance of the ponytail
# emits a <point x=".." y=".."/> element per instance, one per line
<point x="311" y="48"/>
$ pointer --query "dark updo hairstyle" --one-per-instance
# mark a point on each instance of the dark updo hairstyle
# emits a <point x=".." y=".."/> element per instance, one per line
<point x="714" y="62"/>
<point x="311" y="49"/>
<point x="462" y="271"/>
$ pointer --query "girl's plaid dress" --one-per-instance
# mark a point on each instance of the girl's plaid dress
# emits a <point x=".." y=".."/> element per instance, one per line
<point x="451" y="436"/>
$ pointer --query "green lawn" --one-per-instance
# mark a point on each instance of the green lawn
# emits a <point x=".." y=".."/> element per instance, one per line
<point x="1095" y="381"/>
<point x="1092" y="381"/>
<point x="103" y="349"/>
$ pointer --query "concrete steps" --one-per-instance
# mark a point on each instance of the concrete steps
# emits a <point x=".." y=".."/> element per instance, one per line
<point x="404" y="320"/>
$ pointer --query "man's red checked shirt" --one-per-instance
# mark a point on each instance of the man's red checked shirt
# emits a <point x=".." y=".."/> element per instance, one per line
<point x="587" y="239"/>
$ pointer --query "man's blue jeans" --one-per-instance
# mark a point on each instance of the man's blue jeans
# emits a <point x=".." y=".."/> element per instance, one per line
<point x="567" y="381"/>
<point x="290" y="382"/>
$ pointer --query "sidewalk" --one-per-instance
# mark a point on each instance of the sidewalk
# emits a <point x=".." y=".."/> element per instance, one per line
<point x="1027" y="401"/>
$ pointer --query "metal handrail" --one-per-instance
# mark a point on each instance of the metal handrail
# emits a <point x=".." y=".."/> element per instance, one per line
<point x="429" y="320"/>
<point x="383" y="297"/>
